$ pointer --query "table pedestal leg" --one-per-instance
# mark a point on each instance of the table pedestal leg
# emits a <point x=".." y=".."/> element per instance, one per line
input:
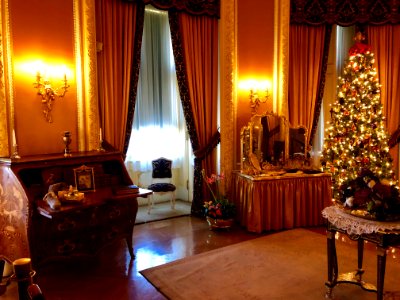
<point x="355" y="277"/>
<point x="381" y="259"/>
<point x="332" y="263"/>
<point x="360" y="255"/>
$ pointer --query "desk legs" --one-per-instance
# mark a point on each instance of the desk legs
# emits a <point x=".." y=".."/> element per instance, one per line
<point x="130" y="246"/>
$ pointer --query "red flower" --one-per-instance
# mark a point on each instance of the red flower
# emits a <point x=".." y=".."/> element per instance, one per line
<point x="219" y="207"/>
<point x="361" y="196"/>
<point x="381" y="190"/>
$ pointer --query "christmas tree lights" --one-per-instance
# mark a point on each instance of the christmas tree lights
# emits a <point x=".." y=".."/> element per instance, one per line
<point x="356" y="138"/>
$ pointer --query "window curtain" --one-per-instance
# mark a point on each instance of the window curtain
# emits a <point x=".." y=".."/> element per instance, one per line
<point x="344" y="41"/>
<point x="118" y="27"/>
<point x="307" y="74"/>
<point x="158" y="125"/>
<point x="385" y="44"/>
<point x="195" y="46"/>
<point x="340" y="42"/>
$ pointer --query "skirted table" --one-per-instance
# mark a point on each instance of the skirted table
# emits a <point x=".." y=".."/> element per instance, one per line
<point x="383" y="234"/>
<point x="287" y="201"/>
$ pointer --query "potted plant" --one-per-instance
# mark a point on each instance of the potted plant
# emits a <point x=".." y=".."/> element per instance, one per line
<point x="219" y="211"/>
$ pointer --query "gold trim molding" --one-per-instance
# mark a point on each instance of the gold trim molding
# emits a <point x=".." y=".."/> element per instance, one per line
<point x="86" y="75"/>
<point x="281" y="56"/>
<point x="6" y="83"/>
<point x="228" y="79"/>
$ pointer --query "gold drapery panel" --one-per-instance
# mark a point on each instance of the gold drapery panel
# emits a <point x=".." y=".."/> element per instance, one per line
<point x="117" y="24"/>
<point x="307" y="74"/>
<point x="321" y="85"/>
<point x="284" y="202"/>
<point x="134" y="75"/>
<point x="385" y="44"/>
<point x="195" y="46"/>
<point x="344" y="12"/>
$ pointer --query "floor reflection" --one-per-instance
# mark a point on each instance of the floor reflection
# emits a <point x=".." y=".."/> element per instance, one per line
<point x="112" y="274"/>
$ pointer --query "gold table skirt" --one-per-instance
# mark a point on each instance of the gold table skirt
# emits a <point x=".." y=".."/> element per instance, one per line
<point x="281" y="202"/>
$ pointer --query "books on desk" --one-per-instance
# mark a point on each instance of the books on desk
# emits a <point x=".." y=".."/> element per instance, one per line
<point x="126" y="189"/>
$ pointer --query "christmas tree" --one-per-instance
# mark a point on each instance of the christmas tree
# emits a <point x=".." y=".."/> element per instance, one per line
<point x="356" y="139"/>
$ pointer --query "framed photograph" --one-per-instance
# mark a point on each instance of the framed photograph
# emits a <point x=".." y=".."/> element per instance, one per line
<point x="84" y="179"/>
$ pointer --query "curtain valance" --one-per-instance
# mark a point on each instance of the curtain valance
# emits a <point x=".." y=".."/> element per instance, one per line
<point x="345" y="12"/>
<point x="193" y="7"/>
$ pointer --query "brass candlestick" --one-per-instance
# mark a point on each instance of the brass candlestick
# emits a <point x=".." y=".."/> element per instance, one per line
<point x="101" y="149"/>
<point x="15" y="154"/>
<point x="67" y="141"/>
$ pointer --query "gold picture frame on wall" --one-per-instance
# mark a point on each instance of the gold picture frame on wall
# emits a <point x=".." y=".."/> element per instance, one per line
<point x="84" y="179"/>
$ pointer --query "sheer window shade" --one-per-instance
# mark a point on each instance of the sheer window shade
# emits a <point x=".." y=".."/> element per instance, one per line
<point x="158" y="126"/>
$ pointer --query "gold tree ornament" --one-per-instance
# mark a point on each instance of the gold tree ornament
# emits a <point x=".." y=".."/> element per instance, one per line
<point x="359" y="37"/>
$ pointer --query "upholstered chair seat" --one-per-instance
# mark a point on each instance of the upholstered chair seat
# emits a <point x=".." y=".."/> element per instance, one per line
<point x="162" y="187"/>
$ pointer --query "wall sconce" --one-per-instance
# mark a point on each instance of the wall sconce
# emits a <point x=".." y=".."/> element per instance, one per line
<point x="259" y="93"/>
<point x="49" y="94"/>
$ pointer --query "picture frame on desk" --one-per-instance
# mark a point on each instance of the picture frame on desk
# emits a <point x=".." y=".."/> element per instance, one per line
<point x="84" y="179"/>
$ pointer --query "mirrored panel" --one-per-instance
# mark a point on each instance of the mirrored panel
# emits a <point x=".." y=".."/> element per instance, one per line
<point x="297" y="141"/>
<point x="269" y="143"/>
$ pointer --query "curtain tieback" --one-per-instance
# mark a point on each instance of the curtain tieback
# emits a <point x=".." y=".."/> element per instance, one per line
<point x="394" y="138"/>
<point x="203" y="152"/>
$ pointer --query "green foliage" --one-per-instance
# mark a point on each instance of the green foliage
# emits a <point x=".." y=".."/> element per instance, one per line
<point x="356" y="138"/>
<point x="219" y="207"/>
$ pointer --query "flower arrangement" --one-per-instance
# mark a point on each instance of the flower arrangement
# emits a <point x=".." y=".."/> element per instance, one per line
<point x="378" y="198"/>
<point x="219" y="207"/>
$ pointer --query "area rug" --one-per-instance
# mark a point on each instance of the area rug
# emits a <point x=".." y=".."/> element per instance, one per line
<point x="286" y="265"/>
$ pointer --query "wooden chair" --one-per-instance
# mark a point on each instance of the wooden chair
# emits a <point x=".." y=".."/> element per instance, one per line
<point x="161" y="181"/>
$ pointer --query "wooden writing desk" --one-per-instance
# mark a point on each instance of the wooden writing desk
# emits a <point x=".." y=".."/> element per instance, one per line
<point x="32" y="229"/>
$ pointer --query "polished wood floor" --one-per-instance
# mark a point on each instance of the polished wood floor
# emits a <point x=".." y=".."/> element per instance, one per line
<point x="111" y="274"/>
